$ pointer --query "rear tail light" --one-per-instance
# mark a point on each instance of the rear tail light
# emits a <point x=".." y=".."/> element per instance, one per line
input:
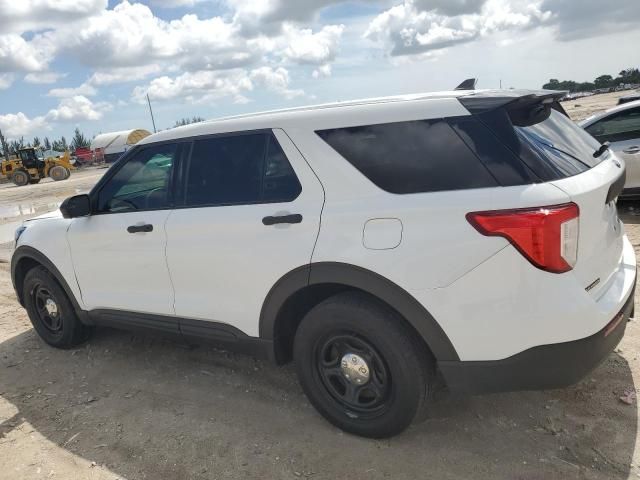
<point x="546" y="236"/>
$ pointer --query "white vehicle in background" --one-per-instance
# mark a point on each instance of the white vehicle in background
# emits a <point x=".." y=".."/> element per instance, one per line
<point x="378" y="244"/>
<point x="620" y="126"/>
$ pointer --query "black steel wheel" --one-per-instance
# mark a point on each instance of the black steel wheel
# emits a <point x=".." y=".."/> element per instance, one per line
<point x="47" y="309"/>
<point x="354" y="374"/>
<point x="50" y="310"/>
<point x="361" y="366"/>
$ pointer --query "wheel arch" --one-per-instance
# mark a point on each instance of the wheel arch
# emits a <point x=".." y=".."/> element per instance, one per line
<point x="304" y="287"/>
<point x="24" y="259"/>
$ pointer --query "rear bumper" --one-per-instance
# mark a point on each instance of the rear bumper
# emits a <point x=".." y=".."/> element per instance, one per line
<point x="543" y="367"/>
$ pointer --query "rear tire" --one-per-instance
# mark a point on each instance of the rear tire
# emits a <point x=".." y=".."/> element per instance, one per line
<point x="20" y="178"/>
<point x="58" y="172"/>
<point x="361" y="367"/>
<point x="51" y="312"/>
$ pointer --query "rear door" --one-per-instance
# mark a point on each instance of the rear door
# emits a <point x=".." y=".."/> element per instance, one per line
<point x="622" y="131"/>
<point x="250" y="214"/>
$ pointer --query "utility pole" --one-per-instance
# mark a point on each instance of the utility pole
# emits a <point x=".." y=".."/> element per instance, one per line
<point x="151" y="112"/>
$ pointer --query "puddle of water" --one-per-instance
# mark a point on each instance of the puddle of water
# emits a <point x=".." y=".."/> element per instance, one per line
<point x="14" y="212"/>
<point x="8" y="230"/>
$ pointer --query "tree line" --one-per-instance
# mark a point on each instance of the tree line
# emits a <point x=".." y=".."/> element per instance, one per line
<point x="79" y="140"/>
<point x="627" y="76"/>
<point x="187" y="121"/>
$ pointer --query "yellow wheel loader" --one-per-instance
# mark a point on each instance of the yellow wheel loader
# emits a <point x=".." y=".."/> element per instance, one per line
<point x="26" y="167"/>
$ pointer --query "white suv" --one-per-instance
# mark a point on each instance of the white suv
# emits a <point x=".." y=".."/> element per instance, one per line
<point x="380" y="244"/>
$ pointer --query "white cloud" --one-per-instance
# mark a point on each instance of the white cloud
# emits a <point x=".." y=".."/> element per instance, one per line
<point x="15" y="125"/>
<point x="590" y="18"/>
<point x="16" y="54"/>
<point x="6" y="80"/>
<point x="304" y="46"/>
<point x="86" y="89"/>
<point x="196" y="86"/>
<point x="408" y="29"/>
<point x="72" y="109"/>
<point x="209" y="86"/>
<point x="275" y="80"/>
<point x="268" y="16"/>
<point x="131" y="36"/>
<point x="450" y="7"/>
<point x="123" y="74"/>
<point x="43" y="77"/>
<point x="322" y="71"/>
<point x="28" y="15"/>
<point x="174" y="3"/>
<point x="77" y="108"/>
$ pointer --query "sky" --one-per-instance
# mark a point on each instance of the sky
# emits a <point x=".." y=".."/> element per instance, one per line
<point x="90" y="63"/>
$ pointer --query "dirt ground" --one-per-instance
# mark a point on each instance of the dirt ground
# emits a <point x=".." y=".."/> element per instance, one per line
<point x="581" y="108"/>
<point x="128" y="406"/>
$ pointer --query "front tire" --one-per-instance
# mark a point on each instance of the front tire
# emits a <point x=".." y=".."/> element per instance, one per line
<point x="360" y="365"/>
<point x="20" y="178"/>
<point x="50" y="310"/>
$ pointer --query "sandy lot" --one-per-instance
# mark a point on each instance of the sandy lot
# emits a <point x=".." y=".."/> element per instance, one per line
<point x="581" y="108"/>
<point x="140" y="407"/>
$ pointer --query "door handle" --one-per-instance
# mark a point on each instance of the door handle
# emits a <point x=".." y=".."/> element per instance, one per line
<point x="140" y="228"/>
<point x="276" y="219"/>
<point x="633" y="149"/>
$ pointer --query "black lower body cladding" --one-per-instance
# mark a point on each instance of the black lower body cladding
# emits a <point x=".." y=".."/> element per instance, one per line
<point x="547" y="366"/>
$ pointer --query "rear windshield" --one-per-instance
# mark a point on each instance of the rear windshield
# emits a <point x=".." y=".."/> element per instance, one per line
<point x="551" y="149"/>
<point x="564" y="143"/>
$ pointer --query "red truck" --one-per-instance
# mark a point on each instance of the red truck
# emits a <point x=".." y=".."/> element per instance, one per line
<point x="83" y="155"/>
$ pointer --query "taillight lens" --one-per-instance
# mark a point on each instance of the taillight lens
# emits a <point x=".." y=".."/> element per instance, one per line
<point x="546" y="236"/>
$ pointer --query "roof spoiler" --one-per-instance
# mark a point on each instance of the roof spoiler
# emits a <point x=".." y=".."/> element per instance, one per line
<point x="523" y="105"/>
<point x="468" y="84"/>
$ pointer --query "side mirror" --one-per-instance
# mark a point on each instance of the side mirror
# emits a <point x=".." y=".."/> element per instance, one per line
<point x="76" y="206"/>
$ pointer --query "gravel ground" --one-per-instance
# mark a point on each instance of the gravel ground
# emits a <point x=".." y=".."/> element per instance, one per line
<point x="141" y="407"/>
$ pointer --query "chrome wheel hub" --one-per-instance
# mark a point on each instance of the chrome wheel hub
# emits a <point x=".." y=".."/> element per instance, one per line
<point x="355" y="369"/>
<point x="51" y="307"/>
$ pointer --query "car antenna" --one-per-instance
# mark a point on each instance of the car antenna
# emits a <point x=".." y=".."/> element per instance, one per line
<point x="468" y="84"/>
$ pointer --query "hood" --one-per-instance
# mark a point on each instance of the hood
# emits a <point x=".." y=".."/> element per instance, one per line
<point x="55" y="214"/>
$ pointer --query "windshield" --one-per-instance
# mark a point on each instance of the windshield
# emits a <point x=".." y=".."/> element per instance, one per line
<point x="567" y="145"/>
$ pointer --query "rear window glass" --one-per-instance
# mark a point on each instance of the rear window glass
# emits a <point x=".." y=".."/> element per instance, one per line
<point x="565" y="144"/>
<point x="410" y="157"/>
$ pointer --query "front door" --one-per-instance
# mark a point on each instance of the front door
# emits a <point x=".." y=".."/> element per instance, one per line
<point x="622" y="131"/>
<point x="118" y="251"/>
<point x="251" y="214"/>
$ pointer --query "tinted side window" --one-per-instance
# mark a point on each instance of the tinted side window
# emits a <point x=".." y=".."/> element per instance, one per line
<point x="618" y="127"/>
<point x="142" y="182"/>
<point x="410" y="157"/>
<point x="280" y="181"/>
<point x="239" y="169"/>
